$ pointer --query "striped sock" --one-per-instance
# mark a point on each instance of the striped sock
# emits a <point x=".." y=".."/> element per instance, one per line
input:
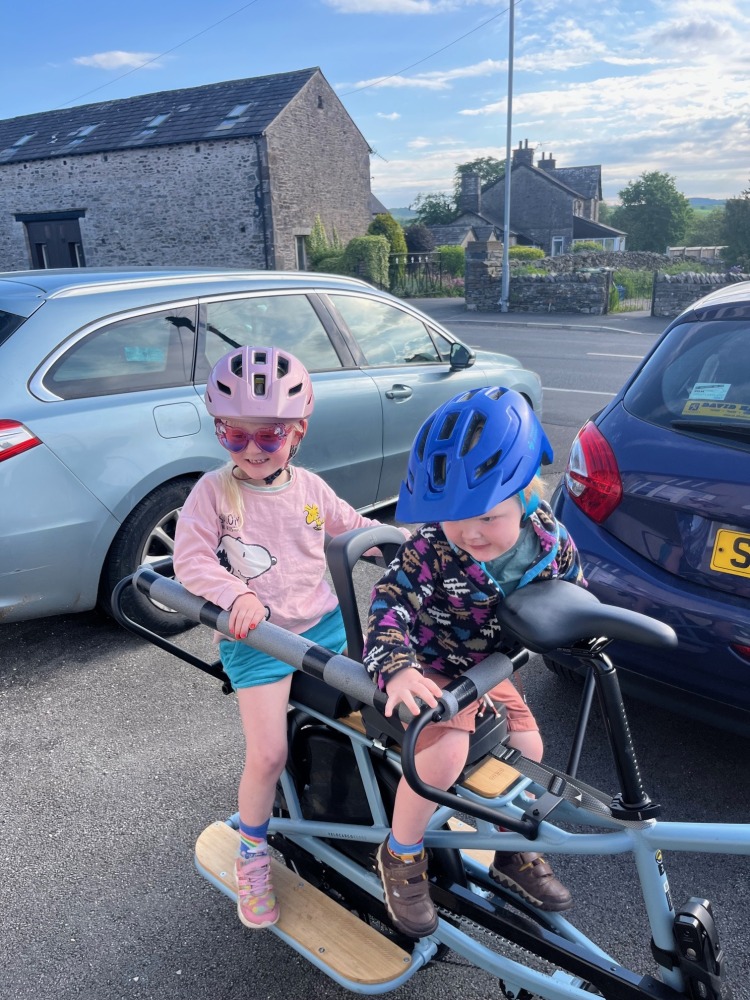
<point x="253" y="839"/>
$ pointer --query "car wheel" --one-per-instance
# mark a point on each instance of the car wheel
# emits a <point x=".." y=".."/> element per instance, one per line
<point x="145" y="537"/>
<point x="566" y="673"/>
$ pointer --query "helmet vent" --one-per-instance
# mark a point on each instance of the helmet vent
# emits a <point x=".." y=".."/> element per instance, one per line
<point x="259" y="384"/>
<point x="223" y="387"/>
<point x="420" y="443"/>
<point x="260" y="358"/>
<point x="496" y="392"/>
<point x="439" y="466"/>
<point x="473" y="433"/>
<point x="446" y="428"/>
<point x="282" y="367"/>
<point x="235" y="365"/>
<point x="486" y="466"/>
<point x="295" y="390"/>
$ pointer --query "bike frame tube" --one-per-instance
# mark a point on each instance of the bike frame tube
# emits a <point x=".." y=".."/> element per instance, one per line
<point x="642" y="837"/>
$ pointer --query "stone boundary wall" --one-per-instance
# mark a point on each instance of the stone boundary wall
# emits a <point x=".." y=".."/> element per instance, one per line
<point x="578" y="292"/>
<point x="675" y="292"/>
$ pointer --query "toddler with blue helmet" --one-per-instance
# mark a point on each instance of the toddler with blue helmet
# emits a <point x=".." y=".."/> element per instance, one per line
<point x="472" y="479"/>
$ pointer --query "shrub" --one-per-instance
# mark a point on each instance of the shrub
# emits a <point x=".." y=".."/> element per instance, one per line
<point x="419" y="239"/>
<point x="316" y="243"/>
<point x="332" y="263"/>
<point x="452" y="261"/>
<point x="367" y="257"/>
<point x="587" y="246"/>
<point x="385" y="225"/>
<point x="525" y="253"/>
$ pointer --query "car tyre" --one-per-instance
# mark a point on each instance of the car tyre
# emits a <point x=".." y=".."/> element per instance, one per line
<point x="566" y="673"/>
<point x="146" y="536"/>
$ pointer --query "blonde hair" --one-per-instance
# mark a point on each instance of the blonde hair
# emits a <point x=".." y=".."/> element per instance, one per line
<point x="231" y="488"/>
<point x="538" y="486"/>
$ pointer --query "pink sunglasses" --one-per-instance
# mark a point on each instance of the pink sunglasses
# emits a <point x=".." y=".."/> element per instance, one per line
<point x="235" y="439"/>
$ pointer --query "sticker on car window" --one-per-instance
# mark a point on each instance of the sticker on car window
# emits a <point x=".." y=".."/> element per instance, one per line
<point x="716" y="409"/>
<point x="710" y="390"/>
<point x="150" y="354"/>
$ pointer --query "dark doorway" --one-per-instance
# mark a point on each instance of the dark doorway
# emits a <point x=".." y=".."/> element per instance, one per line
<point x="54" y="239"/>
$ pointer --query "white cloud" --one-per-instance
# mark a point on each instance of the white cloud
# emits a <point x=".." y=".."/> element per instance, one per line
<point x="419" y="143"/>
<point x="434" y="80"/>
<point x="402" y="6"/>
<point x="119" y="60"/>
<point x="392" y="117"/>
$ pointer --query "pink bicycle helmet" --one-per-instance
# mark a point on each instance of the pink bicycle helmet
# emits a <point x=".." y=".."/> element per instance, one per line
<point x="253" y="382"/>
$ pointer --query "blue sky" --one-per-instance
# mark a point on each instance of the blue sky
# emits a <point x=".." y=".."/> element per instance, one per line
<point x="634" y="86"/>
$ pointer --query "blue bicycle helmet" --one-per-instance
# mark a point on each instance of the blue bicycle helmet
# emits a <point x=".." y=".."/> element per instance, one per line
<point x="476" y="450"/>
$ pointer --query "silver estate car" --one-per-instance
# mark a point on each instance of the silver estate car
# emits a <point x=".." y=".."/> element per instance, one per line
<point x="102" y="425"/>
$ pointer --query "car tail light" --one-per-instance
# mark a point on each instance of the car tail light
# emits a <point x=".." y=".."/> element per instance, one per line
<point x="740" y="650"/>
<point x="592" y="476"/>
<point x="15" y="438"/>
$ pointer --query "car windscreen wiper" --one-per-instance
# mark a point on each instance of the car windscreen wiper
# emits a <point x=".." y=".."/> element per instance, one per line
<point x="718" y="427"/>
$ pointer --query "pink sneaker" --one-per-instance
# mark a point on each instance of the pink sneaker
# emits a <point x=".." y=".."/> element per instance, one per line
<point x="256" y="900"/>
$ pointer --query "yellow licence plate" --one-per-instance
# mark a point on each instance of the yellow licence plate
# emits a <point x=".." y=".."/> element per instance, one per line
<point x="731" y="553"/>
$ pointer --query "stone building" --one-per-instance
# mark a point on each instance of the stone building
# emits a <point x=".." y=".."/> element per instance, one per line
<point x="550" y="207"/>
<point x="229" y="174"/>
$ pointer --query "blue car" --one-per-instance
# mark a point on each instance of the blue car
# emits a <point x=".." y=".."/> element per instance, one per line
<point x="656" y="495"/>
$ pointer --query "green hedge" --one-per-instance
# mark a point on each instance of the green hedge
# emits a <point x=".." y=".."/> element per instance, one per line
<point x="332" y="263"/>
<point x="452" y="261"/>
<point x="587" y="246"/>
<point x="525" y="253"/>
<point x="367" y="257"/>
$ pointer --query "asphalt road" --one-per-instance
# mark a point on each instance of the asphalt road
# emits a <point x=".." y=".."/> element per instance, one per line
<point x="116" y="755"/>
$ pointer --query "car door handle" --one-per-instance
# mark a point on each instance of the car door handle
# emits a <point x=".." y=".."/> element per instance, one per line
<point x="398" y="392"/>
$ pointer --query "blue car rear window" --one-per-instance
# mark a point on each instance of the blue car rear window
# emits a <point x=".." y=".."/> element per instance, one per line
<point x="698" y="381"/>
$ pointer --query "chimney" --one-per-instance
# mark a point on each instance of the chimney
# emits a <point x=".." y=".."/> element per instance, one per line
<point x="548" y="163"/>
<point x="523" y="154"/>
<point x="470" y="198"/>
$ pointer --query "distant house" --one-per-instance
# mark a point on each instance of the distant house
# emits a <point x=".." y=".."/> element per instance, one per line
<point x="230" y="174"/>
<point x="550" y="207"/>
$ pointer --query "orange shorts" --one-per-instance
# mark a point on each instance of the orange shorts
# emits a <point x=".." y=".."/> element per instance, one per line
<point x="519" y="715"/>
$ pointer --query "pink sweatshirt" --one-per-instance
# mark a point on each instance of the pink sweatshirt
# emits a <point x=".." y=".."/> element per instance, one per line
<point x="278" y="553"/>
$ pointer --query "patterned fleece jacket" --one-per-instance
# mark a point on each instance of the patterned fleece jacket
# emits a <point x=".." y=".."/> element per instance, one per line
<point x="436" y="607"/>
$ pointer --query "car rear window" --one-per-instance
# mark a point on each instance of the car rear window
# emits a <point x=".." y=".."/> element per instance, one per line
<point x="9" y="323"/>
<point x="150" y="351"/>
<point x="698" y="381"/>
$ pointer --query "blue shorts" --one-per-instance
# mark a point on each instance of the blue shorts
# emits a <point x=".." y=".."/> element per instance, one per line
<point x="248" y="667"/>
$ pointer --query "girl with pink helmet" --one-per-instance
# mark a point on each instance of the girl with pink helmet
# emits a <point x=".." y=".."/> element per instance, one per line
<point x="251" y="539"/>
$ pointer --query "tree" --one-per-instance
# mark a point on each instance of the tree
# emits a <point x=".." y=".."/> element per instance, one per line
<point x="653" y="213"/>
<point x="419" y="239"/>
<point x="705" y="229"/>
<point x="737" y="230"/>
<point x="488" y="168"/>
<point x="385" y="225"/>
<point x="434" y="209"/>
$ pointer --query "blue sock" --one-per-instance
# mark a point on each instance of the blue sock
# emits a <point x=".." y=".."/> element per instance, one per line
<point x="407" y="852"/>
<point x="253" y="839"/>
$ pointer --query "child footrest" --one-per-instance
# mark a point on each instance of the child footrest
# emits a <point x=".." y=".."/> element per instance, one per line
<point x="327" y="933"/>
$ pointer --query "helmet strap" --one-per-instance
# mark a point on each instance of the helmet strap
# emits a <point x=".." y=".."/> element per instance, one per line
<point x="527" y="506"/>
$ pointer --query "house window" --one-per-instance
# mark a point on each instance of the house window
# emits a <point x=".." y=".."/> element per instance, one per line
<point x="300" y="253"/>
<point x="557" y="245"/>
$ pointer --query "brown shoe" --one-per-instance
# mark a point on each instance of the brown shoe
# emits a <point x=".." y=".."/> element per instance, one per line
<point x="530" y="876"/>
<point x="407" y="893"/>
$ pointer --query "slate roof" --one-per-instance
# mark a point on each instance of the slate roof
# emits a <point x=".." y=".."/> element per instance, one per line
<point x="587" y="181"/>
<point x="232" y="109"/>
<point x="584" y="229"/>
